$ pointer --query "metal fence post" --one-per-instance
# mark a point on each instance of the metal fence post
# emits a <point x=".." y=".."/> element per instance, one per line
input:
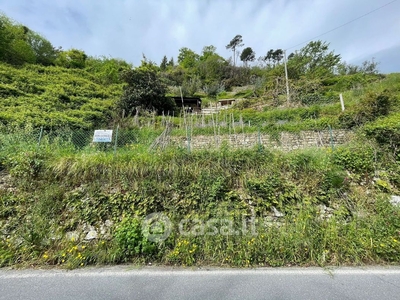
<point x="40" y="137"/>
<point x="116" y="140"/>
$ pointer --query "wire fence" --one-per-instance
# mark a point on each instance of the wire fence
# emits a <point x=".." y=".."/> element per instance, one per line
<point x="77" y="139"/>
<point x="118" y="139"/>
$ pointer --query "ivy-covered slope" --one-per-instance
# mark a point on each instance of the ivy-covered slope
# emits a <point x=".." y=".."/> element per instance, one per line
<point x="55" y="97"/>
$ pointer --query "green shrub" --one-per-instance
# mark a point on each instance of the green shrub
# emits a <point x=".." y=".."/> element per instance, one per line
<point x="25" y="165"/>
<point x="359" y="160"/>
<point x="273" y="191"/>
<point x="131" y="241"/>
<point x="371" y="106"/>
<point x="386" y="131"/>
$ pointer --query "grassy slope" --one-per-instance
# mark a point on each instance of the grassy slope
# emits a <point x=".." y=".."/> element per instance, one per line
<point x="317" y="116"/>
<point x="58" y="97"/>
<point x="330" y="111"/>
<point x="55" y="192"/>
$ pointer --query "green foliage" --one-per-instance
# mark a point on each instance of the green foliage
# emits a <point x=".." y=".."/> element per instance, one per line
<point x="79" y="187"/>
<point x="236" y="42"/>
<point x="184" y="252"/>
<point x="25" y="165"/>
<point x="187" y="58"/>
<point x="312" y="99"/>
<point x="267" y="190"/>
<point x="44" y="51"/>
<point x="191" y="86"/>
<point x="49" y="191"/>
<point x="7" y="253"/>
<point x="107" y="70"/>
<point x="55" y="97"/>
<point x="236" y="76"/>
<point x="367" y="67"/>
<point x="164" y="63"/>
<point x="131" y="241"/>
<point x="371" y="106"/>
<point x="247" y="55"/>
<point x="213" y="89"/>
<point x="386" y="131"/>
<point x="75" y="59"/>
<point x="314" y="60"/>
<point x="211" y="67"/>
<point x="357" y="159"/>
<point x="144" y="89"/>
<point x="273" y="57"/>
<point x="175" y="76"/>
<point x="14" y="48"/>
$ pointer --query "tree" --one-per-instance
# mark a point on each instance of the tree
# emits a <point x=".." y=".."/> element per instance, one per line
<point x="277" y="55"/>
<point x="207" y="52"/>
<point x="106" y="69"/>
<point x="148" y="63"/>
<point x="273" y="56"/>
<point x="164" y="63"/>
<point x="187" y="58"/>
<point x="236" y="42"/>
<point x="20" y="53"/>
<point x="314" y="60"/>
<point x="144" y="89"/>
<point x="44" y="51"/>
<point x="14" y="48"/>
<point x="5" y="37"/>
<point x="171" y="62"/>
<point x="191" y="86"/>
<point x="247" y="55"/>
<point x="211" y="66"/>
<point x="367" y="67"/>
<point x="270" y="55"/>
<point x="370" y="67"/>
<point x="73" y="58"/>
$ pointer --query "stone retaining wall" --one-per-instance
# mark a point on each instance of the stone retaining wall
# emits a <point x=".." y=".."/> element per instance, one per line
<point x="285" y="141"/>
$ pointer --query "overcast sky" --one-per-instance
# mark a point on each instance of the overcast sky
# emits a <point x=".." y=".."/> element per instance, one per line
<point x="127" y="28"/>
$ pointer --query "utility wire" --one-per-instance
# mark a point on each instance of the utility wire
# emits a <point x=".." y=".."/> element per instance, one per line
<point x="368" y="13"/>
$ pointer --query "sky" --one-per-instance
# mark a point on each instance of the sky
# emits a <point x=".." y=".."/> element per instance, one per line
<point x="127" y="29"/>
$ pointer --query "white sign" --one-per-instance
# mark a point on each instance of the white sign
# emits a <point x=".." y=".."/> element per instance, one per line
<point x="102" y="136"/>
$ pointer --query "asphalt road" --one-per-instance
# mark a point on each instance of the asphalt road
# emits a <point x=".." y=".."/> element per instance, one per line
<point x="124" y="282"/>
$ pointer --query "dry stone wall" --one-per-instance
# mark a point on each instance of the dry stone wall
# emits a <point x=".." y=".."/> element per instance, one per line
<point x="284" y="141"/>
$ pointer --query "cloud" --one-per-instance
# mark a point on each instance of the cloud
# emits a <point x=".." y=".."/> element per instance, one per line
<point x="128" y="28"/>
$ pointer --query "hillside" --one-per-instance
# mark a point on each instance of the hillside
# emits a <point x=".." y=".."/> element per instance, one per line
<point x="67" y="201"/>
<point x="55" y="97"/>
<point x="69" y="206"/>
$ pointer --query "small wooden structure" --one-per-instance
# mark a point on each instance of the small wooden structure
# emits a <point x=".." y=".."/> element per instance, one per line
<point x="191" y="104"/>
<point x="225" y="102"/>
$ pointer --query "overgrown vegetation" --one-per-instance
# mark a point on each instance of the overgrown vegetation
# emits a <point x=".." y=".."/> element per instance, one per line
<point x="56" y="195"/>
<point x="67" y="202"/>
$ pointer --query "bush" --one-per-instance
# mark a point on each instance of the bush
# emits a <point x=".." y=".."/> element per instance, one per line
<point x="386" y="131"/>
<point x="371" y="106"/>
<point x="131" y="241"/>
<point x="25" y="165"/>
<point x="358" y="159"/>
